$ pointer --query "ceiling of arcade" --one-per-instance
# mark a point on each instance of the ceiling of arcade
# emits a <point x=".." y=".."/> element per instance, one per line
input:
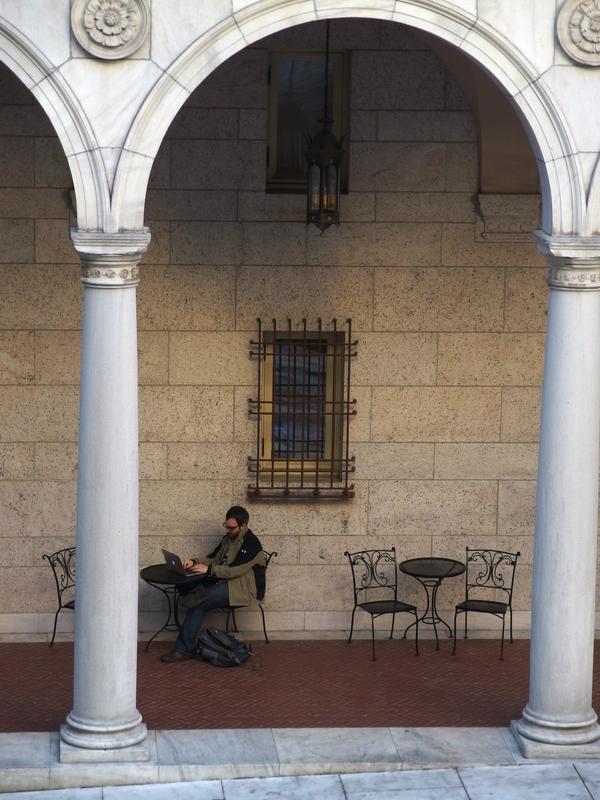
<point x="111" y="139"/>
<point x="506" y="161"/>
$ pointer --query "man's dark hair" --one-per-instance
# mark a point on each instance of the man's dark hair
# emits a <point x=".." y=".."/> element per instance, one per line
<point x="239" y="514"/>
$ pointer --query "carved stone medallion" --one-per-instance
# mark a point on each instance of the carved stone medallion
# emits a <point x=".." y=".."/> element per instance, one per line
<point x="110" y="28"/>
<point x="578" y="30"/>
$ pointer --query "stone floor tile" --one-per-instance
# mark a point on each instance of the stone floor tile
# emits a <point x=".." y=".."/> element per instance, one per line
<point x="451" y="746"/>
<point x="410" y="794"/>
<point x="589" y="770"/>
<point x="590" y="774"/>
<point x="362" y="782"/>
<point x="56" y="794"/>
<point x="193" y="790"/>
<point x="537" y="782"/>
<point x="306" y="750"/>
<point x="293" y="788"/>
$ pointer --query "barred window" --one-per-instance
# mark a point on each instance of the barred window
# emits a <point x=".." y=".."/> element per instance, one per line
<point x="303" y="410"/>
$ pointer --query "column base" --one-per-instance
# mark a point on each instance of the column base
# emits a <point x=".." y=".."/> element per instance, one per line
<point x="545" y="740"/>
<point x="78" y="745"/>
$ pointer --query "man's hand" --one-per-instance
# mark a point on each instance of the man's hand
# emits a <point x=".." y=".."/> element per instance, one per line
<point x="199" y="568"/>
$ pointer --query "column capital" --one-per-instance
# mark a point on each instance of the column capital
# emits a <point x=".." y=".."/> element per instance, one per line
<point x="110" y="260"/>
<point x="574" y="260"/>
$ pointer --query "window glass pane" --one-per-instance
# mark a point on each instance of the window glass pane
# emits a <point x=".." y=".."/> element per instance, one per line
<point x="299" y="390"/>
<point x="300" y="87"/>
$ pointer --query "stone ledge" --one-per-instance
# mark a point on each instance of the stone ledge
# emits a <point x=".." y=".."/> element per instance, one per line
<point x="507" y="218"/>
<point x="29" y="761"/>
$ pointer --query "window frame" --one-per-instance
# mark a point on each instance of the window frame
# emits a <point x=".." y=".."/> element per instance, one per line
<point x="340" y="114"/>
<point x="334" y="391"/>
<point x="300" y="475"/>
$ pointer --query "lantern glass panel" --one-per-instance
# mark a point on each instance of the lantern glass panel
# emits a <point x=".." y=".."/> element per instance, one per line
<point x="332" y="179"/>
<point x="315" y="186"/>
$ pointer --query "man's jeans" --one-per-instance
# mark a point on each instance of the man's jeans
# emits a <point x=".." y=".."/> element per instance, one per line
<point x="216" y="597"/>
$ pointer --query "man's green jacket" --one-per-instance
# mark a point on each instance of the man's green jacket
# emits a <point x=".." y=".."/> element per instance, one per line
<point x="244" y="570"/>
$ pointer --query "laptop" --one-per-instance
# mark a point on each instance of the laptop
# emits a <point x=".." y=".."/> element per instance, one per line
<point x="174" y="562"/>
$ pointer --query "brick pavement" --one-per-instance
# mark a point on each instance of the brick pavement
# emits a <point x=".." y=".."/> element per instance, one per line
<point x="287" y="683"/>
<point x="320" y="683"/>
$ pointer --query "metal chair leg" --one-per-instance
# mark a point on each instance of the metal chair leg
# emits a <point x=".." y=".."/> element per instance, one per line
<point x="264" y="624"/>
<point x="230" y="616"/>
<point x="454" y="644"/>
<point x="416" y="632"/>
<point x="502" y="640"/>
<point x="352" y="625"/>
<point x="373" y="636"/>
<point x="54" y="631"/>
<point x="466" y="614"/>
<point x="393" y="623"/>
<point x="511" y="629"/>
<point x="235" y="627"/>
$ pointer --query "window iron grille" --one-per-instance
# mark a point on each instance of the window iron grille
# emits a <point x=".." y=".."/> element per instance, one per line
<point x="303" y="409"/>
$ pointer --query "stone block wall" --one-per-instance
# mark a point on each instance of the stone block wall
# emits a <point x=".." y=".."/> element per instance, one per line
<point x="450" y="331"/>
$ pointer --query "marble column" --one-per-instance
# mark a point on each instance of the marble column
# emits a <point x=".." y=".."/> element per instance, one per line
<point x="558" y="720"/>
<point x="105" y="724"/>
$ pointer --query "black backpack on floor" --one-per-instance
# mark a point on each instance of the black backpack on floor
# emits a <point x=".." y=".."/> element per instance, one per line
<point x="221" y="648"/>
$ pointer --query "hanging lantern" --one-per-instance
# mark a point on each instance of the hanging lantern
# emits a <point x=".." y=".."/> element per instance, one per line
<point x="324" y="155"/>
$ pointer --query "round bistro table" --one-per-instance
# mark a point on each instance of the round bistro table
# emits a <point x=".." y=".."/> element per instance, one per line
<point x="430" y="572"/>
<point x="163" y="578"/>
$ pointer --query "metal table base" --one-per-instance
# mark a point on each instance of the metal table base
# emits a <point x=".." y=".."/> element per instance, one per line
<point x="169" y="583"/>
<point x="430" y="572"/>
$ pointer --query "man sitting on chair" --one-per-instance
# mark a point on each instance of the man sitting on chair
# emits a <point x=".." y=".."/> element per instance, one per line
<point x="230" y="575"/>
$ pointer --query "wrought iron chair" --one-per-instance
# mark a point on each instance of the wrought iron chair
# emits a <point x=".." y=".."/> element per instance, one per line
<point x="489" y="580"/>
<point x="375" y="585"/>
<point x="63" y="568"/>
<point x="260" y="573"/>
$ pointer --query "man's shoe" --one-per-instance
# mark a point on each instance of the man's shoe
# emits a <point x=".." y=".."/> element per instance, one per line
<point x="176" y="655"/>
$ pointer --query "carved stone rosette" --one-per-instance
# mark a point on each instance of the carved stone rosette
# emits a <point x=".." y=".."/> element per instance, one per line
<point x="110" y="260"/>
<point x="574" y="261"/>
<point x="110" y="28"/>
<point x="578" y="30"/>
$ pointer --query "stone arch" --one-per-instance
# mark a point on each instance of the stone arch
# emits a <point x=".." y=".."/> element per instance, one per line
<point x="67" y="118"/>
<point x="563" y="194"/>
<point x="592" y="217"/>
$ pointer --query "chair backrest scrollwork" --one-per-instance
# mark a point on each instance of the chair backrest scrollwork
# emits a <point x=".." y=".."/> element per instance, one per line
<point x="491" y="572"/>
<point x="63" y="568"/>
<point x="374" y="572"/>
